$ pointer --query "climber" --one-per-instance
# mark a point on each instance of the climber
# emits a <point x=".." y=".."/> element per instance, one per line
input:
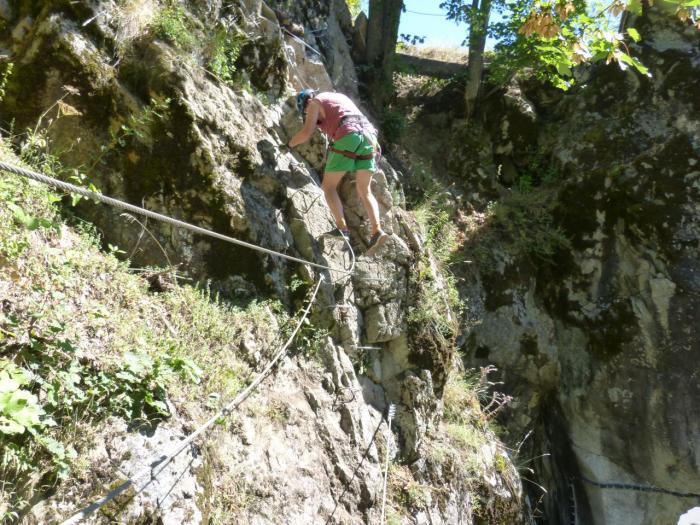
<point x="353" y="147"/>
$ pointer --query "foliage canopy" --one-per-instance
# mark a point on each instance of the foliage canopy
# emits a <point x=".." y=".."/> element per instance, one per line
<point x="553" y="36"/>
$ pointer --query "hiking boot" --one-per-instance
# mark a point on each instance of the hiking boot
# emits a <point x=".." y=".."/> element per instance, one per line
<point x="377" y="241"/>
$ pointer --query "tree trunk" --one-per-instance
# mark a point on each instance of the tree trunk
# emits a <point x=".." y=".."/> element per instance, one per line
<point x="382" y="34"/>
<point x="477" y="42"/>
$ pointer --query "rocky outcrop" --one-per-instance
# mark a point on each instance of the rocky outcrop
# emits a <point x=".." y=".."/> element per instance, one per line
<point x="599" y="344"/>
<point x="149" y="122"/>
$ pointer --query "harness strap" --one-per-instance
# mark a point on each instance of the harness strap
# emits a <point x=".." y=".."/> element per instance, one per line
<point x="352" y="154"/>
<point x="350" y="116"/>
<point x="365" y="124"/>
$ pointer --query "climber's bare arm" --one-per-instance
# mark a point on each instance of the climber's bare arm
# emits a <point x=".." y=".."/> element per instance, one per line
<point x="312" y="112"/>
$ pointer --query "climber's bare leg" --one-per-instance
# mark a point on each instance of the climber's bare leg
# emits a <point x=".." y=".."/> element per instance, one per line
<point x="363" y="181"/>
<point x="331" y="179"/>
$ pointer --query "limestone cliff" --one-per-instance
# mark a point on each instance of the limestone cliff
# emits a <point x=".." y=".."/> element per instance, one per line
<point x="182" y="107"/>
<point x="582" y="285"/>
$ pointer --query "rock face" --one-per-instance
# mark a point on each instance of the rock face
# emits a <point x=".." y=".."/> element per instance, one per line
<point x="148" y="122"/>
<point x="600" y="346"/>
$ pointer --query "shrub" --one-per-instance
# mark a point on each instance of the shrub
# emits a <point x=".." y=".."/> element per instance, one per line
<point x="225" y="48"/>
<point x="539" y="171"/>
<point x="170" y="24"/>
<point x="393" y="125"/>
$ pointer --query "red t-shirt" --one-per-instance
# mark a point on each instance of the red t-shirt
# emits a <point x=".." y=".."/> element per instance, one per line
<point x="337" y="106"/>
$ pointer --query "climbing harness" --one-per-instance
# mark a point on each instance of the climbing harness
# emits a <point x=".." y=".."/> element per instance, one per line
<point x="144" y="478"/>
<point x="369" y="132"/>
<point x="351" y="154"/>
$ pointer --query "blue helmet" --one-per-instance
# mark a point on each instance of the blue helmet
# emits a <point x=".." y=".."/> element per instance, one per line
<point x="303" y="98"/>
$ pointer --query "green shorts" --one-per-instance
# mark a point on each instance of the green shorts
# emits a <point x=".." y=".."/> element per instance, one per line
<point x="356" y="143"/>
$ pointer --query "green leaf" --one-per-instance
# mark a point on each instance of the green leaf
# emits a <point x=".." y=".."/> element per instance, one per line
<point x="53" y="446"/>
<point x="7" y="426"/>
<point x="624" y="58"/>
<point x="159" y="406"/>
<point x="563" y="69"/>
<point x="138" y="364"/>
<point x="20" y="410"/>
<point x="635" y="6"/>
<point x="24" y="408"/>
<point x="634" y="34"/>
<point x="126" y="376"/>
<point x="641" y="68"/>
<point x="31" y="223"/>
<point x="187" y="368"/>
<point x="7" y="383"/>
<point x="11" y="373"/>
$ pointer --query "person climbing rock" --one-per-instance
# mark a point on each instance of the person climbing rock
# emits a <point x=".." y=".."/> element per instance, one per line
<point x="353" y="147"/>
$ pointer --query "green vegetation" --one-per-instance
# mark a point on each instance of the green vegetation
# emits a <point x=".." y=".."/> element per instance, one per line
<point x="521" y="226"/>
<point x="436" y="289"/>
<point x="551" y="37"/>
<point x="455" y="459"/>
<point x="310" y="340"/>
<point x="35" y="149"/>
<point x="171" y="24"/>
<point x="140" y="124"/>
<point x="5" y="74"/>
<point x="393" y="125"/>
<point x="220" y="49"/>
<point x="74" y="352"/>
<point x="465" y="425"/>
<point x="434" y="214"/>
<point x="435" y="300"/>
<point x="406" y="492"/>
<point x="431" y="85"/>
<point x="393" y="517"/>
<point x="458" y="447"/>
<point x="225" y="48"/>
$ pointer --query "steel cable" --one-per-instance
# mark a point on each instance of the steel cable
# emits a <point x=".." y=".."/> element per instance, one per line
<point x="162" y="461"/>
<point x="639" y="488"/>
<point x="153" y="215"/>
